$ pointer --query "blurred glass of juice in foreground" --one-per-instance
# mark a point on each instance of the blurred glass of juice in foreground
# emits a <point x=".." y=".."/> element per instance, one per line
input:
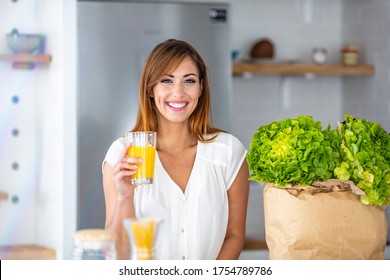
<point x="142" y="235"/>
<point x="143" y="145"/>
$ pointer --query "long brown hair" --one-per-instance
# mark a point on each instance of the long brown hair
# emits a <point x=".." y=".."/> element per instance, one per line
<point x="163" y="59"/>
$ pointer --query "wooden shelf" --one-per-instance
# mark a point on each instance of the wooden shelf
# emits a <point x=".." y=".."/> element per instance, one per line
<point x="252" y="244"/>
<point x="41" y="58"/>
<point x="301" y="69"/>
<point x="26" y="61"/>
<point x="26" y="252"/>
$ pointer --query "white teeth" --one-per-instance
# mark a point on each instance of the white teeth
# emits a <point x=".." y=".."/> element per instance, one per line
<point x="176" y="105"/>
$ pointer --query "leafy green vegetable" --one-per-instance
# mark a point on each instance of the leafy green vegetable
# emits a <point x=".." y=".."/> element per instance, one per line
<point x="298" y="152"/>
<point x="293" y="151"/>
<point x="365" y="159"/>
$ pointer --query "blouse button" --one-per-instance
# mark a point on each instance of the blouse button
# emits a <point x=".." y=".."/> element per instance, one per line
<point x="183" y="257"/>
<point x="182" y="230"/>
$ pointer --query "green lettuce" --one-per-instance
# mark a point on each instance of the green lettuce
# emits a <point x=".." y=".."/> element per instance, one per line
<point x="298" y="152"/>
<point x="293" y="151"/>
<point x="365" y="158"/>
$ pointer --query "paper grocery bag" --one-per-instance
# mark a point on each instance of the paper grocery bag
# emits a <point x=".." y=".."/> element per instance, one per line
<point x="322" y="226"/>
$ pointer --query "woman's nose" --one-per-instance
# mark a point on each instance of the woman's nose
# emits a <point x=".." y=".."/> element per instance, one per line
<point x="178" y="89"/>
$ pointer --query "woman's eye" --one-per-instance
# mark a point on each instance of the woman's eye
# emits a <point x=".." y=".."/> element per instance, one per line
<point x="165" y="81"/>
<point x="190" y="81"/>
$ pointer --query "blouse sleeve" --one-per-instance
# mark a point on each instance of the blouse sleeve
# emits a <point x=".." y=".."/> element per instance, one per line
<point x="236" y="157"/>
<point x="113" y="153"/>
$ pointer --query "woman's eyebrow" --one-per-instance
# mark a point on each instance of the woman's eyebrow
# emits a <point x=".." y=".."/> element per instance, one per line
<point x="190" y="74"/>
<point x="185" y="76"/>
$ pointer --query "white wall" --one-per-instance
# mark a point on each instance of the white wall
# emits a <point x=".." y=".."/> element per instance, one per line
<point x="46" y="180"/>
<point x="57" y="107"/>
<point x="21" y="147"/>
<point x="369" y="97"/>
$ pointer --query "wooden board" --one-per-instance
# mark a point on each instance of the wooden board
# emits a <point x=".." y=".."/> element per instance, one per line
<point x="251" y="244"/>
<point x="26" y="252"/>
<point x="301" y="69"/>
<point x="41" y="58"/>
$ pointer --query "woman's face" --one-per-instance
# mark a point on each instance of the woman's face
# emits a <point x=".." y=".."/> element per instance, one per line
<point x="176" y="94"/>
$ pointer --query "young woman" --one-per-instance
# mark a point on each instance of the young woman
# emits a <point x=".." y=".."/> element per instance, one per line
<point x="200" y="187"/>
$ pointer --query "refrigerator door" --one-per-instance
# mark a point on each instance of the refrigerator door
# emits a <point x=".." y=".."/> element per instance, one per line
<point x="114" y="39"/>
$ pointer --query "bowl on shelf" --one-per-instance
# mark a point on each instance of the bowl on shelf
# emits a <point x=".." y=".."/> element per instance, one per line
<point x="23" y="43"/>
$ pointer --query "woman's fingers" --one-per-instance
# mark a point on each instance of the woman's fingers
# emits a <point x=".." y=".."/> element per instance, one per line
<point x="124" y="151"/>
<point x="124" y="169"/>
<point x="125" y="165"/>
<point x="125" y="173"/>
<point x="124" y="155"/>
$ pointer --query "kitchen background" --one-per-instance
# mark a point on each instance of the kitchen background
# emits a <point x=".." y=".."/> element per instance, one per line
<point x="38" y="107"/>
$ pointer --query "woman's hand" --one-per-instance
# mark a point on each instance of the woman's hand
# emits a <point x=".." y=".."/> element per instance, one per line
<point x="118" y="195"/>
<point x="122" y="172"/>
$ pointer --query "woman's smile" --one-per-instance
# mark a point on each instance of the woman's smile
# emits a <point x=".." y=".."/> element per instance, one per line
<point x="177" y="106"/>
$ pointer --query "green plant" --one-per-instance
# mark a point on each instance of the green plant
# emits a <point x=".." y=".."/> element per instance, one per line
<point x="365" y="158"/>
<point x="298" y="152"/>
<point x="293" y="151"/>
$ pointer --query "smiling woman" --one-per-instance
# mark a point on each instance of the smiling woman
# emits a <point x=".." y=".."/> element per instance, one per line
<point x="200" y="185"/>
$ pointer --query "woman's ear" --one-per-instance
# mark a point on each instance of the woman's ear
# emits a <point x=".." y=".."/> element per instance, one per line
<point x="201" y="88"/>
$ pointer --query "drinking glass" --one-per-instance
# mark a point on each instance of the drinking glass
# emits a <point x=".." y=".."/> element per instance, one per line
<point x="142" y="235"/>
<point x="143" y="145"/>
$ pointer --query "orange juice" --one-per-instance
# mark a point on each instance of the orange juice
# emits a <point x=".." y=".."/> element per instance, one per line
<point x="143" y="232"/>
<point x="145" y="169"/>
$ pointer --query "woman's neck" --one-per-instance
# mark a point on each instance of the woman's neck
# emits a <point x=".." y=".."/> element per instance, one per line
<point x="174" y="138"/>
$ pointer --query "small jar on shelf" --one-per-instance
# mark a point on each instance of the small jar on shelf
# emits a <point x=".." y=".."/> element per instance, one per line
<point x="350" y="55"/>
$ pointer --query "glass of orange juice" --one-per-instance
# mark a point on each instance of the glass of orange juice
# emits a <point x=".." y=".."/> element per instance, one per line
<point x="142" y="235"/>
<point x="143" y="145"/>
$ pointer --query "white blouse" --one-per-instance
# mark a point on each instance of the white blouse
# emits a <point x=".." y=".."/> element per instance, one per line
<point x="194" y="223"/>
